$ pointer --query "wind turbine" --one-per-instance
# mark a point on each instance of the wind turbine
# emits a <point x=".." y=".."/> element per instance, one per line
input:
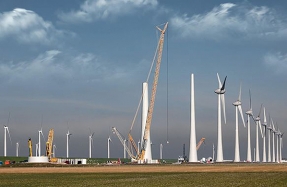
<point x="220" y="92"/>
<point x="238" y="107"/>
<point x="5" y="139"/>
<point x="249" y="114"/>
<point x="109" y="140"/>
<point x="277" y="144"/>
<point x="91" y="143"/>
<point x="273" y="142"/>
<point x="264" y="124"/>
<point x="68" y="139"/>
<point x="39" y="135"/>
<point x="37" y="149"/>
<point x="17" y="149"/>
<point x="258" y="124"/>
<point x="269" y="140"/>
<point x="280" y="146"/>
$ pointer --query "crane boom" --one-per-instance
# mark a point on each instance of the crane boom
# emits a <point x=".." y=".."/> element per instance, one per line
<point x="123" y="143"/>
<point x="49" y="143"/>
<point x="155" y="82"/>
<point x="199" y="143"/>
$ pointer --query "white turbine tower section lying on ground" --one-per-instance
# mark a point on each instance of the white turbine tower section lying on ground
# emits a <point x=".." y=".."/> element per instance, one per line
<point x="220" y="92"/>
<point x="269" y="140"/>
<point x="238" y="107"/>
<point x="192" y="148"/>
<point x="249" y="114"/>
<point x="91" y="143"/>
<point x="109" y="140"/>
<point x="258" y="124"/>
<point x="68" y="139"/>
<point x="5" y="139"/>
<point x="264" y="124"/>
<point x="17" y="149"/>
<point x="273" y="141"/>
<point x="148" y="153"/>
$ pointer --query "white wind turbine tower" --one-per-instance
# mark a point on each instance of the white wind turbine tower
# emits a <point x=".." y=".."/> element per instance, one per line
<point x="125" y="148"/>
<point x="39" y="136"/>
<point x="277" y="144"/>
<point x="17" y="149"/>
<point x="160" y="151"/>
<point x="5" y="138"/>
<point x="220" y="92"/>
<point x="273" y="141"/>
<point x="192" y="148"/>
<point x="37" y="149"/>
<point x="91" y="143"/>
<point x="258" y="124"/>
<point x="249" y="114"/>
<point x="238" y="107"/>
<point x="269" y="140"/>
<point x="280" y="146"/>
<point x="109" y="140"/>
<point x="54" y="150"/>
<point x="68" y="139"/>
<point x="264" y="124"/>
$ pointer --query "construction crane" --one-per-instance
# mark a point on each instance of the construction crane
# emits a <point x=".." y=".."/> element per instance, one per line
<point x="49" y="144"/>
<point x="114" y="129"/>
<point x="199" y="143"/>
<point x="151" y="106"/>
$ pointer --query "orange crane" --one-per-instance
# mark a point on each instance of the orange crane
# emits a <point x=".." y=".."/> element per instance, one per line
<point x="151" y="106"/>
<point x="199" y="143"/>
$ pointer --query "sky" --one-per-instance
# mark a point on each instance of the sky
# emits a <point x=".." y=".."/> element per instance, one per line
<point x="79" y="66"/>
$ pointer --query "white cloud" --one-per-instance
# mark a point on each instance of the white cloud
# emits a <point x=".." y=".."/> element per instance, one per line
<point x="57" y="65"/>
<point x="28" y="27"/>
<point x="276" y="61"/>
<point x="92" y="10"/>
<point x="231" y="20"/>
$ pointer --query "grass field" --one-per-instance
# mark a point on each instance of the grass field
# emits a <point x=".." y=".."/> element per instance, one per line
<point x="145" y="179"/>
<point x="147" y="175"/>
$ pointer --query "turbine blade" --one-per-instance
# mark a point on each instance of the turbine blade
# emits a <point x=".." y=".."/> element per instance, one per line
<point x="273" y="128"/>
<point x="93" y="134"/>
<point x="8" y="119"/>
<point x="250" y="104"/>
<point x="223" y="106"/>
<point x="223" y="86"/>
<point x="239" y="97"/>
<point x="259" y="123"/>
<point x="260" y="111"/>
<point x="42" y="135"/>
<point x="241" y="113"/>
<point x="264" y="116"/>
<point x="219" y="82"/>
<point x="9" y="135"/>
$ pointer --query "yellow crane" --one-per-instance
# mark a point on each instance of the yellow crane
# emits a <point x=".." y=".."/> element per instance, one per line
<point x="151" y="106"/>
<point x="49" y="144"/>
<point x="30" y="147"/>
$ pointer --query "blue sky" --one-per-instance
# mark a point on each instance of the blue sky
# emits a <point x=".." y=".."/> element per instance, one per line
<point x="81" y="64"/>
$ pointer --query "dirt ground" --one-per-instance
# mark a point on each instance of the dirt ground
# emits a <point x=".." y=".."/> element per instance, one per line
<point x="151" y="168"/>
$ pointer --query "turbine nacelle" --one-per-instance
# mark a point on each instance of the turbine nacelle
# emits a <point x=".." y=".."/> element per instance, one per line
<point x="237" y="103"/>
<point x="219" y="91"/>
<point x="249" y="112"/>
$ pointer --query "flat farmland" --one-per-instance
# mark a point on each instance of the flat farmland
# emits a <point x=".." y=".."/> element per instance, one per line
<point x="147" y="175"/>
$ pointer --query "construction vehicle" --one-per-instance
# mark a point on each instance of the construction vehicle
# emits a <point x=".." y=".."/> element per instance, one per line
<point x="199" y="143"/>
<point x="30" y="147"/>
<point x="49" y="146"/>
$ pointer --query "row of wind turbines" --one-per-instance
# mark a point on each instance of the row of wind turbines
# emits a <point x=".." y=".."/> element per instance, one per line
<point x="271" y="130"/>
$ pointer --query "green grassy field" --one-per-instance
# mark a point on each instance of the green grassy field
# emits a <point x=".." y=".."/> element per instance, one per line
<point x="145" y="179"/>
